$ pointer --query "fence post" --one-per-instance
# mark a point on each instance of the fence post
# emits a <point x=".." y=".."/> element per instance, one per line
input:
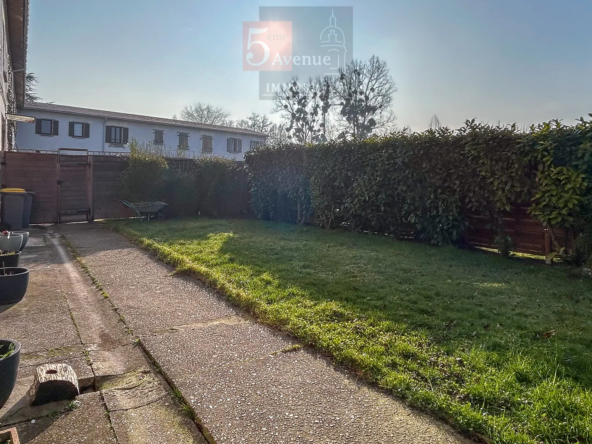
<point x="547" y="248"/>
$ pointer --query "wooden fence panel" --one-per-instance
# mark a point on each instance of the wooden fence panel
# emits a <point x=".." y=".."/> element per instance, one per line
<point x="38" y="172"/>
<point x="74" y="194"/>
<point x="106" y="176"/>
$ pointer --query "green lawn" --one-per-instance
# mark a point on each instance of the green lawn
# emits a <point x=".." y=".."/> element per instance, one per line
<point x="498" y="347"/>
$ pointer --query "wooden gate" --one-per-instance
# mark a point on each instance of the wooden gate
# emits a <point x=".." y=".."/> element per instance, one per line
<point x="69" y="185"/>
<point x="74" y="185"/>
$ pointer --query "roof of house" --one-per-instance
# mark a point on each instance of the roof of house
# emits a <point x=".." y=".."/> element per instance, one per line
<point x="133" y="118"/>
<point x="17" y="17"/>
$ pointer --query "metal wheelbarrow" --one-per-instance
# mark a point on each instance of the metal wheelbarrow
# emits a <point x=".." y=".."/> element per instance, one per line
<point x="147" y="210"/>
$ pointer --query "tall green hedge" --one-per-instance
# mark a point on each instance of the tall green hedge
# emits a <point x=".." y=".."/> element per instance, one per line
<point x="208" y="186"/>
<point x="428" y="182"/>
<point x="144" y="178"/>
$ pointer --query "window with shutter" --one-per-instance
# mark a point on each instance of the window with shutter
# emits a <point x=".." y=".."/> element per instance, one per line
<point x="45" y="127"/>
<point x="116" y="135"/>
<point x="158" y="137"/>
<point x="207" y="146"/>
<point x="255" y="144"/>
<point x="234" y="145"/>
<point x="78" y="129"/>
<point x="183" y="141"/>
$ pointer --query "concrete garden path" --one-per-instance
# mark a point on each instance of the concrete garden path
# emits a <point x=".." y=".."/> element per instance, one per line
<point x="244" y="382"/>
<point x="64" y="319"/>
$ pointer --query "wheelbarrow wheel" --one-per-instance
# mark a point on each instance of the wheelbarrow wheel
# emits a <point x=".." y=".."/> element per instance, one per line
<point x="160" y="216"/>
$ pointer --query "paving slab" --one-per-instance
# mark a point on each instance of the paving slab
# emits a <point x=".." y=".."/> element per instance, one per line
<point x="39" y="332"/>
<point x="132" y="390"/>
<point x="111" y="363"/>
<point x="87" y="424"/>
<point x="186" y="353"/>
<point x="18" y="408"/>
<point x="142" y="411"/>
<point x="245" y="389"/>
<point x="152" y="297"/>
<point x="41" y="321"/>
<point x="140" y="425"/>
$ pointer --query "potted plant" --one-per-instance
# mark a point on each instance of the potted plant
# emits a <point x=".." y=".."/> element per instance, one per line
<point x="25" y="238"/>
<point x="13" y="284"/>
<point x="10" y="353"/>
<point x="9" y="436"/>
<point x="9" y="259"/>
<point x="10" y="242"/>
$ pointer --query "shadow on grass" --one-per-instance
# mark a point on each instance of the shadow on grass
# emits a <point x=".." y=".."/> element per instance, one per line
<point x="501" y="348"/>
<point x="459" y="299"/>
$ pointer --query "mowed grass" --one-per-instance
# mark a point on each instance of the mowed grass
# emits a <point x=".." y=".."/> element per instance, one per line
<point x="498" y="347"/>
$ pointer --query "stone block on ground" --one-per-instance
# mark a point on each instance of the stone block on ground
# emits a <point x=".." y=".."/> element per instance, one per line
<point x="53" y="382"/>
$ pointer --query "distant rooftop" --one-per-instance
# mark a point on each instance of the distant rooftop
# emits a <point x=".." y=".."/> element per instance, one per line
<point x="133" y="117"/>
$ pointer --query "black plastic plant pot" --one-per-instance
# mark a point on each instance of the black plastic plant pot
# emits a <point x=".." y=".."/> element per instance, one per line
<point x="13" y="284"/>
<point x="8" y="368"/>
<point x="10" y="260"/>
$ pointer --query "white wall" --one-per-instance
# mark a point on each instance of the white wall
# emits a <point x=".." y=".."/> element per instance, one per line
<point x="26" y="139"/>
<point x="4" y="86"/>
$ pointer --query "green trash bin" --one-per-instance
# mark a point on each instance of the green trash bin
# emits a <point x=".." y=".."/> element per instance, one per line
<point x="13" y="207"/>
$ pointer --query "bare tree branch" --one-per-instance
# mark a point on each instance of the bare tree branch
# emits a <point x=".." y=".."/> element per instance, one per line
<point x="435" y="122"/>
<point x="364" y="92"/>
<point x="256" y="122"/>
<point x="305" y="107"/>
<point x="202" y="113"/>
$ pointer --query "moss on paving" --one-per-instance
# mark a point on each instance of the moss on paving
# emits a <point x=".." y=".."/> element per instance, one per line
<point x="500" y="348"/>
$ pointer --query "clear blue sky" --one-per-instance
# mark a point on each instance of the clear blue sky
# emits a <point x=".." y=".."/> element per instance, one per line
<point x="519" y="61"/>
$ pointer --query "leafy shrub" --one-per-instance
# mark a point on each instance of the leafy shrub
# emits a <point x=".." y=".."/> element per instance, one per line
<point x="144" y="178"/>
<point x="181" y="189"/>
<point x="563" y="156"/>
<point x="211" y="186"/>
<point x="279" y="184"/>
<point x="425" y="184"/>
<point x="222" y="187"/>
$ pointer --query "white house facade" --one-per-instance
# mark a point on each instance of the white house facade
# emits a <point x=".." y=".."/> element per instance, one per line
<point x="59" y="126"/>
<point x="13" y="56"/>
